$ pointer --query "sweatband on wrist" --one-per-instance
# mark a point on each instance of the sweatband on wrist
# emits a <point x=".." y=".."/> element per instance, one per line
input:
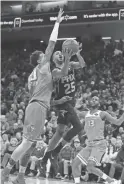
<point x="54" y="34"/>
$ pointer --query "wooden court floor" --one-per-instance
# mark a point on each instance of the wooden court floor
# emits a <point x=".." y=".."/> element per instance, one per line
<point x="31" y="180"/>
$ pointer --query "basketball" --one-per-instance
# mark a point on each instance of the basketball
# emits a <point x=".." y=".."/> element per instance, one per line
<point x="71" y="45"/>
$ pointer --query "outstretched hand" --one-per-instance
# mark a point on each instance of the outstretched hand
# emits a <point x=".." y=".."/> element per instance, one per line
<point x="67" y="53"/>
<point x="59" y="18"/>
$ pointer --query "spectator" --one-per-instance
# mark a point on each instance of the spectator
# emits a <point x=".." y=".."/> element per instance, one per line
<point x="4" y="123"/>
<point x="77" y="148"/>
<point x="119" y="163"/>
<point x="65" y="159"/>
<point x="9" y="150"/>
<point x="13" y="130"/>
<point x="11" y="117"/>
<point x="19" y="136"/>
<point x="121" y="131"/>
<point x="37" y="153"/>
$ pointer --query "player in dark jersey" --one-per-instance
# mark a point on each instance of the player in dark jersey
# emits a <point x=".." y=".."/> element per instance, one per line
<point x="64" y="101"/>
<point x="92" y="154"/>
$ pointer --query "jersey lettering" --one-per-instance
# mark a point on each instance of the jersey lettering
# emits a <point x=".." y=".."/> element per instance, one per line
<point x="70" y="88"/>
<point x="68" y="78"/>
<point x="65" y="86"/>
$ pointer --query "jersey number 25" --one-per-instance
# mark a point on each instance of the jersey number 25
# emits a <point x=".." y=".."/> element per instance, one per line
<point x="70" y="88"/>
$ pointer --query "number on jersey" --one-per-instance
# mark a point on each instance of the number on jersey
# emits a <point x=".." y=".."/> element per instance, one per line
<point x="70" y="88"/>
<point x="91" y="123"/>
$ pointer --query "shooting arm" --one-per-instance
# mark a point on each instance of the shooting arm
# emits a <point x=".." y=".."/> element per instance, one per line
<point x="80" y="64"/>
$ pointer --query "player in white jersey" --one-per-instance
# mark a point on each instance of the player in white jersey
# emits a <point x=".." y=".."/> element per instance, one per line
<point x="40" y="88"/>
<point x="92" y="154"/>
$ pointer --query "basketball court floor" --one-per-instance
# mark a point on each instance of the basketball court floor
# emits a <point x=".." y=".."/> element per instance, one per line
<point x="31" y="180"/>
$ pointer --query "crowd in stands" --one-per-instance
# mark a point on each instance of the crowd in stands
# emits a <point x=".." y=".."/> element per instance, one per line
<point x="30" y="7"/>
<point x="70" y="6"/>
<point x="104" y="73"/>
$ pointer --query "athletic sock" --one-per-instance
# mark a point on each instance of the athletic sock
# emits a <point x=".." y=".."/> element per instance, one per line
<point x="11" y="163"/>
<point x="77" y="180"/>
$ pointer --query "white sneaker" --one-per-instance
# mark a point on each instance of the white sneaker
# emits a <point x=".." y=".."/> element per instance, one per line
<point x="113" y="182"/>
<point x="116" y="182"/>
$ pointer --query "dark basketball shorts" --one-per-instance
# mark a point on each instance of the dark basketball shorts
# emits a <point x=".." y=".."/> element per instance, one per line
<point x="93" y="151"/>
<point x="35" y="116"/>
<point x="67" y="115"/>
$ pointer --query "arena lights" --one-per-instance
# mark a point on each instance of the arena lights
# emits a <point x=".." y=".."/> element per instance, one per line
<point x="106" y="38"/>
<point x="66" y="38"/>
<point x="16" y="6"/>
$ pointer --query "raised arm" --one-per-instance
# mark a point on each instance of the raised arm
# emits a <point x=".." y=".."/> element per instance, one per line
<point x="109" y="118"/>
<point x="80" y="63"/>
<point x="53" y="37"/>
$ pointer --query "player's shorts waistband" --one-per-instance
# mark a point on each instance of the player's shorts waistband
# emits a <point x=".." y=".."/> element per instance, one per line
<point x="39" y="102"/>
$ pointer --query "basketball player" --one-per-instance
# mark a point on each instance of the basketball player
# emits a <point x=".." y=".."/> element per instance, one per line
<point x="40" y="88"/>
<point x="64" y="102"/>
<point x="92" y="154"/>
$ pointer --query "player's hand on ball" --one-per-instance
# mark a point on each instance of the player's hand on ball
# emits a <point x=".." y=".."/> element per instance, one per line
<point x="59" y="18"/>
<point x="67" y="53"/>
<point x="80" y="49"/>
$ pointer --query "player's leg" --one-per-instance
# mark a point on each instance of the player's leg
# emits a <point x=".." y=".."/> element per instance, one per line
<point x="56" y="137"/>
<point x="33" y="127"/>
<point x="94" y="160"/>
<point x="80" y="159"/>
<point x="23" y="165"/>
<point x="71" y="117"/>
<point x="16" y="155"/>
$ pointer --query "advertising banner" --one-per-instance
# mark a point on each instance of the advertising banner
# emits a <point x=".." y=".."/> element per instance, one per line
<point x="70" y="17"/>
